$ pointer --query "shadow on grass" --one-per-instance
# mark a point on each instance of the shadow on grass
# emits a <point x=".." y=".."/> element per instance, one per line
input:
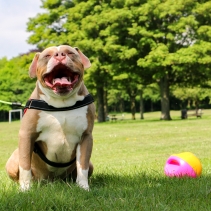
<point x="113" y="191"/>
<point x="156" y="192"/>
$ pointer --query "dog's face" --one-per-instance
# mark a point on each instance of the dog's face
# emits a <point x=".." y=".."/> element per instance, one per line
<point x="59" y="69"/>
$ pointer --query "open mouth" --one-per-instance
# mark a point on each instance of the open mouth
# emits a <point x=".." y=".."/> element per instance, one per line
<point x="61" y="79"/>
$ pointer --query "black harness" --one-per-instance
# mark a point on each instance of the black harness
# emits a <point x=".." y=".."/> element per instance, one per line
<point x="42" y="105"/>
<point x="38" y="151"/>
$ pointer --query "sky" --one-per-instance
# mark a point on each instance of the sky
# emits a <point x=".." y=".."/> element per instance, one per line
<point x="14" y="15"/>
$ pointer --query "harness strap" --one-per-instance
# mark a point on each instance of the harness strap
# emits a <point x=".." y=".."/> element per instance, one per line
<point x="42" y="105"/>
<point x="38" y="151"/>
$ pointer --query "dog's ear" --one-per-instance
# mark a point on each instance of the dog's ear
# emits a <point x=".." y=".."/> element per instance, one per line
<point x="33" y="66"/>
<point x="84" y="59"/>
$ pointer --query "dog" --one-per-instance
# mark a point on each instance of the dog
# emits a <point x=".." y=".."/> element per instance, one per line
<point x="55" y="138"/>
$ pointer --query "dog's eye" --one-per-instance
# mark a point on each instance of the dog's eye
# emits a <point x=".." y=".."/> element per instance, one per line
<point x="70" y="53"/>
<point x="47" y="56"/>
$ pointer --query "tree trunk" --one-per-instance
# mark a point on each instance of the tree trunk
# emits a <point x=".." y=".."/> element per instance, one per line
<point x="141" y="105"/>
<point x="105" y="104"/>
<point x="100" y="105"/>
<point x="122" y="105"/>
<point x="165" y="104"/>
<point x="133" y="106"/>
<point x="197" y="104"/>
<point x="151" y="105"/>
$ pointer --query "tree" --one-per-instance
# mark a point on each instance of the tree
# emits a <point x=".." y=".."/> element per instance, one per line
<point x="121" y="48"/>
<point x="171" y="31"/>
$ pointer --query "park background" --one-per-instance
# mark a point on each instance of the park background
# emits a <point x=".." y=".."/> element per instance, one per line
<point x="146" y="55"/>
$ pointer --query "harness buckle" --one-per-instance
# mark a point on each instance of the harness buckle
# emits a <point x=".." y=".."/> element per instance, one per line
<point x="30" y="104"/>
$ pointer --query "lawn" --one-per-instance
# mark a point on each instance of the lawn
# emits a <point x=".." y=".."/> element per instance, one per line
<point x="129" y="158"/>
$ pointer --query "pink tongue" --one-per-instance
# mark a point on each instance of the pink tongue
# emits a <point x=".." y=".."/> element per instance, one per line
<point x="61" y="82"/>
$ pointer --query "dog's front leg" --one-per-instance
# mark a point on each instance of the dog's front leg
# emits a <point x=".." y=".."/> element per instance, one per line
<point x="25" y="154"/>
<point x="83" y="154"/>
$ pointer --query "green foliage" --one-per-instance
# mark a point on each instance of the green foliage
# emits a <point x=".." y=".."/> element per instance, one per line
<point x="152" y="92"/>
<point x="194" y="94"/>
<point x="131" y="43"/>
<point x="15" y="84"/>
<point x="120" y="35"/>
<point x="176" y="36"/>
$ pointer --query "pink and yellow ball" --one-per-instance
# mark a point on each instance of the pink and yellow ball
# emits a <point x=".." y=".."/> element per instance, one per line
<point x="185" y="164"/>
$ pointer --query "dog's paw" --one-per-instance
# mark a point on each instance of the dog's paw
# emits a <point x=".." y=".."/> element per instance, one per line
<point x="25" y="177"/>
<point x="82" y="179"/>
<point x="24" y="186"/>
<point x="83" y="184"/>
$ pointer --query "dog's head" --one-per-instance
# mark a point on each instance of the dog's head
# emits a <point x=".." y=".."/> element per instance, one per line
<point x="59" y="69"/>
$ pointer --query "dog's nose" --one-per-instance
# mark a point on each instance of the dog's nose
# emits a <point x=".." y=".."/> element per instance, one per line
<point x="60" y="56"/>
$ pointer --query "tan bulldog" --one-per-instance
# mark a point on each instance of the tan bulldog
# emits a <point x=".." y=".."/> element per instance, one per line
<point x="55" y="143"/>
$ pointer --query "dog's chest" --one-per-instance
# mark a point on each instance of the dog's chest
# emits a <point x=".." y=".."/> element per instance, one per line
<point x="61" y="131"/>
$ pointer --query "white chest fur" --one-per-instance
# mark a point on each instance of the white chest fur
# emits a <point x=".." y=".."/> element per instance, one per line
<point x="61" y="131"/>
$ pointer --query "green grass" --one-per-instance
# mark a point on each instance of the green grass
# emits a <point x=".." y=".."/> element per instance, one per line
<point x="129" y="158"/>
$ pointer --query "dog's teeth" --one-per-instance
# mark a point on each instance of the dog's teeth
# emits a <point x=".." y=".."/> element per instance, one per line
<point x="69" y="79"/>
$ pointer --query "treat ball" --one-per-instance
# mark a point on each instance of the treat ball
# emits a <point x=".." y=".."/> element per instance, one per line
<point x="185" y="164"/>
